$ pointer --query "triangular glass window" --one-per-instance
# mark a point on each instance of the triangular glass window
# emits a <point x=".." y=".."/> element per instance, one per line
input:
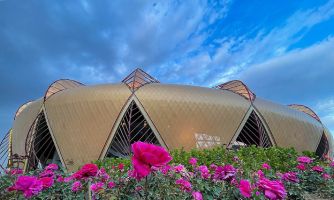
<point x="137" y="79"/>
<point x="42" y="150"/>
<point x="132" y="128"/>
<point x="323" y="146"/>
<point x="253" y="133"/>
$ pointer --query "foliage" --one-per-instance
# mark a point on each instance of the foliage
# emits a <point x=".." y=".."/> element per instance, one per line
<point x="213" y="173"/>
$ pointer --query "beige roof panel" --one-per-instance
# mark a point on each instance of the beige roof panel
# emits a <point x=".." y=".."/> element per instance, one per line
<point x="185" y="114"/>
<point x="60" y="85"/>
<point x="289" y="127"/>
<point x="22" y="124"/>
<point x="81" y="120"/>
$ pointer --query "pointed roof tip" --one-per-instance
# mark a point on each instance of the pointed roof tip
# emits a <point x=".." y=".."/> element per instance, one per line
<point x="238" y="87"/>
<point x="306" y="110"/>
<point x="138" y="78"/>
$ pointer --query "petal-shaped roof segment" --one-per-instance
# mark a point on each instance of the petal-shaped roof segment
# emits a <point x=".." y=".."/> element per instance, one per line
<point x="188" y="116"/>
<point x="238" y="87"/>
<point x="305" y="109"/>
<point x="81" y="119"/>
<point x="137" y="79"/>
<point x="21" y="108"/>
<point x="289" y="127"/>
<point x="60" y="85"/>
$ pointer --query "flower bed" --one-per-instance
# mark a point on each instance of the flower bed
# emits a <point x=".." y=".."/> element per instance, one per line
<point x="153" y="173"/>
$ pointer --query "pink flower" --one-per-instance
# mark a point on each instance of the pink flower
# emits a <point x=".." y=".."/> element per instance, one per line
<point x="260" y="173"/>
<point x="68" y="179"/>
<point x="76" y="186"/>
<point x="111" y="185"/>
<point x="29" y="185"/>
<point x="184" y="184"/>
<point x="318" y="169"/>
<point x="146" y="155"/>
<point x="121" y="166"/>
<point x="46" y="182"/>
<point x="331" y="164"/>
<point x="301" y="167"/>
<point x="52" y="167"/>
<point x="304" y="159"/>
<point x="205" y="174"/>
<point x="46" y="173"/>
<point x="179" y="168"/>
<point x="326" y="176"/>
<point x="88" y="170"/>
<point x="96" y="187"/>
<point x="103" y="174"/>
<point x="291" y="177"/>
<point x="193" y="161"/>
<point x="245" y="188"/>
<point x="226" y="172"/>
<point x="197" y="195"/>
<point x="165" y="169"/>
<point x="272" y="189"/>
<point x="266" y="166"/>
<point x="60" y="179"/>
<point x="213" y="167"/>
<point x="15" y="172"/>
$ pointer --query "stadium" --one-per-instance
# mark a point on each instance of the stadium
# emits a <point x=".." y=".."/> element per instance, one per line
<point x="73" y="124"/>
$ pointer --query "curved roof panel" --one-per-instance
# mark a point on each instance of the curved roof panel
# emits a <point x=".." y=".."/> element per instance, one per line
<point x="21" y="108"/>
<point x="187" y="116"/>
<point x="22" y="125"/>
<point x="82" y="118"/>
<point x="238" y="87"/>
<point x="305" y="110"/>
<point x="60" y="85"/>
<point x="290" y="128"/>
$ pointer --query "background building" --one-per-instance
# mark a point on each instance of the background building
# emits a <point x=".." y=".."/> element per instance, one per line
<point x="74" y="124"/>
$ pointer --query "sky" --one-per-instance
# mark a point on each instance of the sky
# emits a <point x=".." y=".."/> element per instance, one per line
<point x="283" y="50"/>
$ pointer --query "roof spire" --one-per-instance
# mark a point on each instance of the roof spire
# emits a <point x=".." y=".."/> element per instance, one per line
<point x="137" y="79"/>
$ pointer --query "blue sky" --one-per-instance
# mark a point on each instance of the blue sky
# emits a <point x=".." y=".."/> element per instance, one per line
<point x="283" y="50"/>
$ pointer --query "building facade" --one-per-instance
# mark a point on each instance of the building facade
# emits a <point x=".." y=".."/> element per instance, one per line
<point x="73" y="124"/>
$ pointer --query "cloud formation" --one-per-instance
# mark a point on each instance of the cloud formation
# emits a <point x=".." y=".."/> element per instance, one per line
<point x="187" y="42"/>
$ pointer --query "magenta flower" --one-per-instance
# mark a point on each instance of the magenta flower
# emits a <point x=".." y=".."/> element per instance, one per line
<point x="146" y="155"/>
<point x="76" y="186"/>
<point x="60" y="179"/>
<point x="184" y="184"/>
<point x="165" y="169"/>
<point x="260" y="173"/>
<point x="52" y="167"/>
<point x="272" y="189"/>
<point x="103" y="174"/>
<point x="213" y="167"/>
<point x="205" y="173"/>
<point x="15" y="172"/>
<point x="291" y="177"/>
<point x="226" y="173"/>
<point x="111" y="185"/>
<point x="29" y="185"/>
<point x="179" y="168"/>
<point x="88" y="170"/>
<point x="266" y="166"/>
<point x="197" y="195"/>
<point x="301" y="167"/>
<point x="121" y="166"/>
<point x="96" y="187"/>
<point x="304" y="159"/>
<point x="245" y="188"/>
<point x="326" y="176"/>
<point x="331" y="164"/>
<point x="46" y="173"/>
<point x="193" y="161"/>
<point x="318" y="169"/>
<point x="46" y="182"/>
